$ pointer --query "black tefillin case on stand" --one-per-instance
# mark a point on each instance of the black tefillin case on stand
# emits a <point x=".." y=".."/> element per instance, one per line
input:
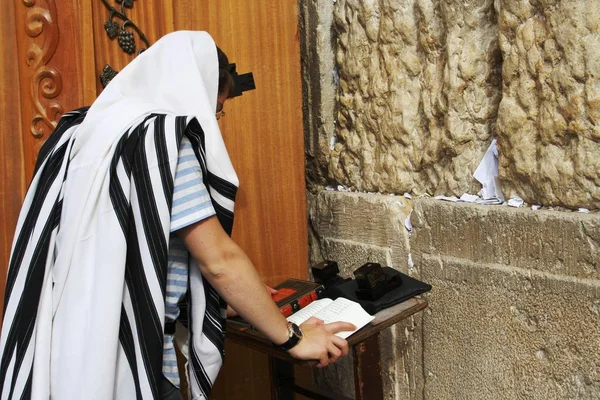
<point x="374" y="287"/>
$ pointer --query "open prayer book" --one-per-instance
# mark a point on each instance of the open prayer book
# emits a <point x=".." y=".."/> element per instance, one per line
<point x="337" y="310"/>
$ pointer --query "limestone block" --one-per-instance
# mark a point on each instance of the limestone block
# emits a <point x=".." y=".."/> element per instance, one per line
<point x="496" y="332"/>
<point x="561" y="243"/>
<point x="369" y="219"/>
<point x="549" y="117"/>
<point x="418" y="93"/>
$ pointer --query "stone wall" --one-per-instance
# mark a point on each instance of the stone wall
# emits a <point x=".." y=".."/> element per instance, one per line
<point x="422" y="86"/>
<point x="515" y="308"/>
<point x="549" y="117"/>
<point x="405" y="96"/>
<point x="419" y="88"/>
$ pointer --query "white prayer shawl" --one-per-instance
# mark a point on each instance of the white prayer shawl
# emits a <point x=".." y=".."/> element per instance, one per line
<point x="85" y="295"/>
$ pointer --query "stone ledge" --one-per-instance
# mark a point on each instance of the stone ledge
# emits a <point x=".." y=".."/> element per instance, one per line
<point x="560" y="243"/>
<point x="366" y="218"/>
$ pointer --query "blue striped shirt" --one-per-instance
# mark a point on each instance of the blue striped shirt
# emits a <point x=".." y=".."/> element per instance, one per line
<point x="191" y="204"/>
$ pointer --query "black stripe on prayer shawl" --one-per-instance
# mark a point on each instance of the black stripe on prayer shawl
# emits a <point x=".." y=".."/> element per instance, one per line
<point x="129" y="150"/>
<point x="124" y="155"/>
<point x="199" y="374"/>
<point x="225" y="188"/>
<point x="180" y="127"/>
<point x="27" y="390"/>
<point x="121" y="207"/>
<point x="22" y="328"/>
<point x="152" y="226"/>
<point x="225" y="217"/>
<point x="213" y="321"/>
<point x="117" y="197"/>
<point x="49" y="174"/>
<point x="149" y="329"/>
<point x="131" y="145"/>
<point x="162" y="153"/>
<point x="126" y="339"/>
<point x="195" y="133"/>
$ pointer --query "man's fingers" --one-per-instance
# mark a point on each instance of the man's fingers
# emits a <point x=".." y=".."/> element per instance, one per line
<point x="341" y="344"/>
<point x="323" y="360"/>
<point x="231" y="312"/>
<point x="334" y="352"/>
<point x="270" y="290"/>
<point x="336" y="327"/>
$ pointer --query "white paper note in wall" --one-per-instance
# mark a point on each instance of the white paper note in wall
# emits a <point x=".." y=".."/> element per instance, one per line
<point x="487" y="174"/>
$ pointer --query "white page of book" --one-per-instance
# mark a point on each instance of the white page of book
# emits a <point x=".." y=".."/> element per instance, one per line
<point x="309" y="311"/>
<point x="334" y="311"/>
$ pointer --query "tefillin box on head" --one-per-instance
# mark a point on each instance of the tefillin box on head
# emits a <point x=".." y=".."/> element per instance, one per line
<point x="373" y="283"/>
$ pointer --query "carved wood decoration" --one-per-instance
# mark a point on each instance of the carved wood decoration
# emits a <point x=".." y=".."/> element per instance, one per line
<point x="46" y="83"/>
<point x="152" y="18"/>
<point x="125" y="37"/>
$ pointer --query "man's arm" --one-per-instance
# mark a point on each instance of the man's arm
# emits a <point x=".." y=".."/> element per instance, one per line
<point x="227" y="268"/>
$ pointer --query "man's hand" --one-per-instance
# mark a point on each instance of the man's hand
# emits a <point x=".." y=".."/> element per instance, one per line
<point x="320" y="343"/>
